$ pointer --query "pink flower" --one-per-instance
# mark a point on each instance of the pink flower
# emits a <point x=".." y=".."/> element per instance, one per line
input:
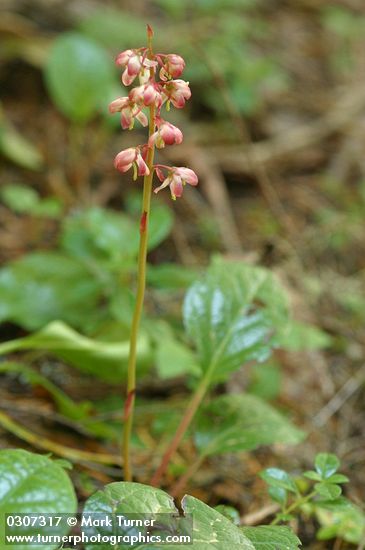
<point x="133" y="64"/>
<point x="167" y="134"/>
<point x="129" y="111"/>
<point x="176" y="178"/>
<point x="172" y="67"/>
<point x="177" y="91"/>
<point x="146" y="94"/>
<point x="131" y="157"/>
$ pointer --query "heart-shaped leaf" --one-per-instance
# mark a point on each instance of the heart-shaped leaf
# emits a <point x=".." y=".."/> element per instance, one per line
<point x="242" y="422"/>
<point x="31" y="483"/>
<point x="210" y="528"/>
<point x="232" y="315"/>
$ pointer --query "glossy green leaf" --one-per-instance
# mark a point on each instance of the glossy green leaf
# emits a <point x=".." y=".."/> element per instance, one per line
<point x="240" y="422"/>
<point x="105" y="360"/>
<point x="44" y="286"/>
<point x="78" y="75"/>
<point x="31" y="483"/>
<point x="232" y="316"/>
<point x="210" y="528"/>
<point x="326" y="464"/>
<point x="272" y="537"/>
<point x="279" y="478"/>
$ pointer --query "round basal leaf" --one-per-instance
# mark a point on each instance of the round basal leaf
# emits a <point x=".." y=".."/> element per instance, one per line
<point x="326" y="464"/>
<point x="78" y="75"/>
<point x="31" y="483"/>
<point x="239" y="422"/>
<point x="279" y="478"/>
<point x="272" y="537"/>
<point x="232" y="315"/>
<point x="210" y="528"/>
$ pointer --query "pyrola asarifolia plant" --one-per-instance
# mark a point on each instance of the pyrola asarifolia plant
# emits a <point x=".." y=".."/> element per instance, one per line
<point x="159" y="86"/>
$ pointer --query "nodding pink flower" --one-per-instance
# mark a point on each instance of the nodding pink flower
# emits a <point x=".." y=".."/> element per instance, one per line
<point x="167" y="134"/>
<point x="146" y="94"/>
<point x="172" y="67"/>
<point x="176" y="178"/>
<point x="129" y="111"/>
<point x="131" y="157"/>
<point x="133" y="64"/>
<point x="177" y="91"/>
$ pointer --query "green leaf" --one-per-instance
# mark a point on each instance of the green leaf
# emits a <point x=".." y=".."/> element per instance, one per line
<point x="102" y="236"/>
<point x="97" y="234"/>
<point x="339" y="504"/>
<point x="31" y="483"/>
<point x="18" y="149"/>
<point x="326" y="464"/>
<point x="78" y="75"/>
<point x="328" y="491"/>
<point x="240" y="422"/>
<point x="25" y="200"/>
<point x="279" y="478"/>
<point x="347" y="524"/>
<point x="268" y="537"/>
<point x="105" y="360"/>
<point x="44" y="286"/>
<point x="114" y="29"/>
<point x="337" y="478"/>
<point x="161" y="222"/>
<point x="174" y="359"/>
<point x="314" y="476"/>
<point x="229" y="512"/>
<point x="211" y="529"/>
<point x="170" y="276"/>
<point x="232" y="315"/>
<point x="301" y="336"/>
<point x="278" y="494"/>
<point x="265" y="381"/>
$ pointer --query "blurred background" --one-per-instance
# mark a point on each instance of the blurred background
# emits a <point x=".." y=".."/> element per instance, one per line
<point x="275" y="130"/>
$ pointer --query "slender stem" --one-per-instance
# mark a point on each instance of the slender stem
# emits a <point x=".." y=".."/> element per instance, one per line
<point x="183" y="426"/>
<point x="193" y="406"/>
<point x="141" y="285"/>
<point x="177" y="488"/>
<point x="295" y="504"/>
